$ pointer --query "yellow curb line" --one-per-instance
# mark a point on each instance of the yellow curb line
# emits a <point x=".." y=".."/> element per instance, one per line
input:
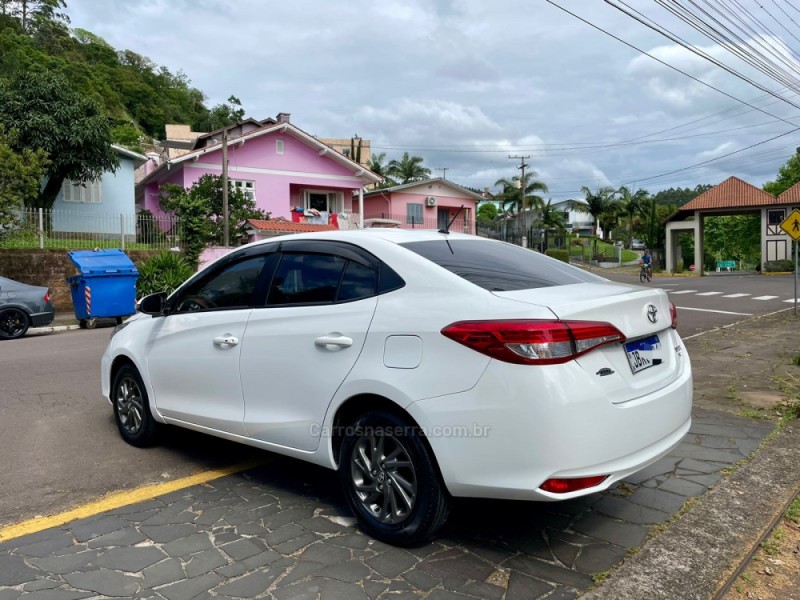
<point x="119" y="499"/>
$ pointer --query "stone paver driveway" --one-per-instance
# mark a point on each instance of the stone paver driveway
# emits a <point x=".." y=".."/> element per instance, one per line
<point x="282" y="531"/>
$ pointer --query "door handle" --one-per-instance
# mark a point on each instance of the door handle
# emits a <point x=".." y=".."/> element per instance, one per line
<point x="333" y="341"/>
<point x="226" y="340"/>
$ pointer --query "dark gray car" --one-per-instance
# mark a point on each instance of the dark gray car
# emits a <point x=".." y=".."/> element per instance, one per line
<point x="23" y="306"/>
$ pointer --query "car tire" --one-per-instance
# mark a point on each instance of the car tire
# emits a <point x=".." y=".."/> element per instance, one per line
<point x="404" y="502"/>
<point x="14" y="323"/>
<point x="132" y="408"/>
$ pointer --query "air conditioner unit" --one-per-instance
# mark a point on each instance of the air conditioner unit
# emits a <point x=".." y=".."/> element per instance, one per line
<point x="430" y="201"/>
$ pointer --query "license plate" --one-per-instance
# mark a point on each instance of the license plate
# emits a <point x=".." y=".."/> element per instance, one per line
<point x="641" y="353"/>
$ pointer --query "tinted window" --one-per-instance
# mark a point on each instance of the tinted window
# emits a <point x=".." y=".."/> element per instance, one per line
<point x="306" y="278"/>
<point x="359" y="281"/>
<point x="232" y="287"/>
<point x="499" y="267"/>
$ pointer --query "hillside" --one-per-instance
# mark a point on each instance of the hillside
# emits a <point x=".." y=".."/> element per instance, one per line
<point x="138" y="95"/>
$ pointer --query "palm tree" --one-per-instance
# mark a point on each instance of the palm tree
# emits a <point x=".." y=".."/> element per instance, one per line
<point x="551" y="219"/>
<point x="514" y="200"/>
<point x="596" y="204"/>
<point x="632" y="205"/>
<point x="377" y="164"/>
<point x="408" y="169"/>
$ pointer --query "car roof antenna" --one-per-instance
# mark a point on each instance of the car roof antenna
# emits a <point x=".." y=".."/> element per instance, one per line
<point x="446" y="228"/>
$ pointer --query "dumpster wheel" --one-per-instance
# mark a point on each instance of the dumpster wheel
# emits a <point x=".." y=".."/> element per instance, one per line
<point x="88" y="323"/>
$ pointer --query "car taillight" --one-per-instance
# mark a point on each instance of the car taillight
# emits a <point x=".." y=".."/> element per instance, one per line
<point x="673" y="315"/>
<point x="533" y="342"/>
<point x="573" y="484"/>
<point x="47" y="296"/>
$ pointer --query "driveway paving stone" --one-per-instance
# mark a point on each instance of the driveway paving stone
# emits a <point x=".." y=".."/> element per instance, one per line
<point x="282" y="531"/>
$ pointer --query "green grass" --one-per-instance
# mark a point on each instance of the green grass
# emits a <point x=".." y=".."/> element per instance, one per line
<point x="772" y="545"/>
<point x="793" y="512"/>
<point x="603" y="248"/>
<point x="79" y="244"/>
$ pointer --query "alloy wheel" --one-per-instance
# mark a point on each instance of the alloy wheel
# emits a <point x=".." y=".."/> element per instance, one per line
<point x="130" y="404"/>
<point x="384" y="477"/>
<point x="13" y="323"/>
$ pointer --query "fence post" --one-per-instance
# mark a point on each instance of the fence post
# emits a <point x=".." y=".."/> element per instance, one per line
<point x="41" y="229"/>
<point x="122" y="230"/>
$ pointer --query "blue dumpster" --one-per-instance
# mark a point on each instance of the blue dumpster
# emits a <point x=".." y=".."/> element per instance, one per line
<point x="105" y="286"/>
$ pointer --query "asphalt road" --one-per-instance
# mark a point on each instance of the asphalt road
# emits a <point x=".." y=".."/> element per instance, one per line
<point x="721" y="299"/>
<point x="60" y="446"/>
<point x="58" y="439"/>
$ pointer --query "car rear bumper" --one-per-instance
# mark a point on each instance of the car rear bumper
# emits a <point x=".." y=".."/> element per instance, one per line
<point x="42" y="319"/>
<point x="517" y="428"/>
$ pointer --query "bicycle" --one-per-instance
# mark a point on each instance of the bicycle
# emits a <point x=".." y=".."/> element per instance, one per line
<point x="646" y="273"/>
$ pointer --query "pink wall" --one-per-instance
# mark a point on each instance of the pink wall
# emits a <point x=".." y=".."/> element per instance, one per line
<point x="279" y="178"/>
<point x="376" y="206"/>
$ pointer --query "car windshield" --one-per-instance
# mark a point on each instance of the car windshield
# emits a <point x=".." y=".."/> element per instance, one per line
<point x="499" y="267"/>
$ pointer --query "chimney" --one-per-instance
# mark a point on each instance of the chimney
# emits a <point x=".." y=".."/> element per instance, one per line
<point x="284" y="117"/>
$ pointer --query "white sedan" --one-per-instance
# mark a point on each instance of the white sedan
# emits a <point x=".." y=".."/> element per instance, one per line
<point x="421" y="365"/>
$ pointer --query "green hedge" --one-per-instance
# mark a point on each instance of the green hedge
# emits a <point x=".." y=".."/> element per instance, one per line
<point x="778" y="266"/>
<point x="562" y="255"/>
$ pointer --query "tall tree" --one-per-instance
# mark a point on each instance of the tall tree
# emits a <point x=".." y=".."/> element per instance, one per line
<point x="788" y="175"/>
<point x="515" y="198"/>
<point x="377" y="164"/>
<point x="632" y="205"/>
<point x="597" y="203"/>
<point x="227" y="113"/>
<point x="408" y="169"/>
<point x="48" y="114"/>
<point x="34" y="12"/>
<point x="20" y="174"/>
<point x="551" y="220"/>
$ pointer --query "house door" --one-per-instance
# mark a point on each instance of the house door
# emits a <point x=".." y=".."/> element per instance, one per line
<point x="443" y="218"/>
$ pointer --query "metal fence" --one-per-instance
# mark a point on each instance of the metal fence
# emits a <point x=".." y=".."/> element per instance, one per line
<point x="74" y="230"/>
<point x="462" y="223"/>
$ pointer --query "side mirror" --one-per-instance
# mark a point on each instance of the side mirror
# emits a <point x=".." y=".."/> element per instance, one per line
<point x="153" y="304"/>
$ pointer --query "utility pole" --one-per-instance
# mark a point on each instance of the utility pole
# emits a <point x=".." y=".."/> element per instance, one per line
<point x="444" y="171"/>
<point x="523" y="241"/>
<point x="225" y="230"/>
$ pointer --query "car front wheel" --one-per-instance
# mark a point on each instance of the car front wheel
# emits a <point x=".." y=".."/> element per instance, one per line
<point x="131" y="408"/>
<point x="390" y="481"/>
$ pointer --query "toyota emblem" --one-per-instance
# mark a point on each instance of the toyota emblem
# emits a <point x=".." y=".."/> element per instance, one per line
<point x="652" y="313"/>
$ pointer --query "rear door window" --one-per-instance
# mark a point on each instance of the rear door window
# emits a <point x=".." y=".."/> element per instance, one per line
<point x="499" y="267"/>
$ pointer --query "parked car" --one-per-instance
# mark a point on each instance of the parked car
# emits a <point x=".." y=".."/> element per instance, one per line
<point x="23" y="306"/>
<point x="637" y="245"/>
<point x="420" y="365"/>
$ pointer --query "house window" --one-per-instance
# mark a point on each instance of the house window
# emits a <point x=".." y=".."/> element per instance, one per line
<point x="414" y="214"/>
<point x="248" y="188"/>
<point x="323" y="201"/>
<point x="279" y="146"/>
<point x="81" y="193"/>
<point x="776" y="217"/>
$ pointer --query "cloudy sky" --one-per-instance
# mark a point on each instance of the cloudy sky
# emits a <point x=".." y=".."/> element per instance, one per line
<point x="466" y="83"/>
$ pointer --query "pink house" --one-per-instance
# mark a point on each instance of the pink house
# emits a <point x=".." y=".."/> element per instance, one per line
<point x="274" y="162"/>
<point x="429" y="204"/>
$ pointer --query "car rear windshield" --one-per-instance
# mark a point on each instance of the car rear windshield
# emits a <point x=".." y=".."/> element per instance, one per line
<point x="499" y="267"/>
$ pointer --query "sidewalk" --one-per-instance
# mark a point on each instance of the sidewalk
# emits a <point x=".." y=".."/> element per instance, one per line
<point x="282" y="531"/>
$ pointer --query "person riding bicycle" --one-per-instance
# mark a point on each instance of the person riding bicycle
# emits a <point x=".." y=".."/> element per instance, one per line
<point x="647" y="260"/>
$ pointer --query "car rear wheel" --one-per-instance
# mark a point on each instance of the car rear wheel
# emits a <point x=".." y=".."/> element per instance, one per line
<point x="390" y="480"/>
<point x="131" y="408"/>
<point x="14" y="323"/>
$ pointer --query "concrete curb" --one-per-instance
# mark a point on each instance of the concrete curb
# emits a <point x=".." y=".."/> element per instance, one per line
<point x="51" y="329"/>
<point x="697" y="555"/>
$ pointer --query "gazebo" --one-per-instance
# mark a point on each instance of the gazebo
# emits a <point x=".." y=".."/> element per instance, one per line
<point x="733" y="197"/>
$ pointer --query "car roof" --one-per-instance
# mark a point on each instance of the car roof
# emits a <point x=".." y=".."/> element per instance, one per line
<point x="366" y="237"/>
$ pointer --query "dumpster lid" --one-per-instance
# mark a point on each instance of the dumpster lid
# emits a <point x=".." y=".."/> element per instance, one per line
<point x="102" y="262"/>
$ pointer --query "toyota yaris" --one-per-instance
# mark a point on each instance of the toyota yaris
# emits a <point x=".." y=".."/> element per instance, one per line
<point x="420" y="365"/>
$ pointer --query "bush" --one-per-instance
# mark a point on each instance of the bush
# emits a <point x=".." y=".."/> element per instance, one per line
<point x="778" y="266"/>
<point x="562" y="255"/>
<point x="163" y="272"/>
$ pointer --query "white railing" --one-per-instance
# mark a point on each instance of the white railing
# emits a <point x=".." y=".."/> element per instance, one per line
<point x="46" y="228"/>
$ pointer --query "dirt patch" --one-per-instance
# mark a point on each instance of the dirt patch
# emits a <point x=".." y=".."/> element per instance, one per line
<point x="773" y="572"/>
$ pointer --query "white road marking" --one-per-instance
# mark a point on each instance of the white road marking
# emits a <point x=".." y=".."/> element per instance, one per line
<point x="792" y="300"/>
<point x="736" y="295"/>
<point x="710" y="294"/>
<point x="734" y="324"/>
<point x="683" y="292"/>
<point x="722" y="312"/>
<point x="763" y="297"/>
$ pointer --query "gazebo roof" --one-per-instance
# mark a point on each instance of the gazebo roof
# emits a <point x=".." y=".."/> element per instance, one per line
<point x="733" y="193"/>
<point x="790" y="196"/>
